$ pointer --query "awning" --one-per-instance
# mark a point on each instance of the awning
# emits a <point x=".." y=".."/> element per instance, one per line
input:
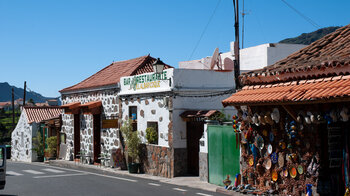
<point x="197" y="115"/>
<point x="71" y="108"/>
<point x="93" y="107"/>
<point x="323" y="90"/>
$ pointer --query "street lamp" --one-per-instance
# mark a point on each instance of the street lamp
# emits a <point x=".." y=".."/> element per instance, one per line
<point x="158" y="66"/>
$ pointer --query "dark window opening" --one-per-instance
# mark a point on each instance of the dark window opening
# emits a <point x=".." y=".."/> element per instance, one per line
<point x="133" y="116"/>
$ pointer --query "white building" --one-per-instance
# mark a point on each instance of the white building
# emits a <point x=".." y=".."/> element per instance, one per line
<point x="251" y="58"/>
<point x="176" y="102"/>
<point x="27" y="128"/>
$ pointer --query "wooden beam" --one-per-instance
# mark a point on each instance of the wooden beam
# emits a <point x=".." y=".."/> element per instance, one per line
<point x="290" y="111"/>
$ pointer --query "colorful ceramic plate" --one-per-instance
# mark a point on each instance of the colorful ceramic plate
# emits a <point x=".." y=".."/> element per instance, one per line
<point x="282" y="145"/>
<point x="280" y="160"/>
<point x="293" y="172"/>
<point x="300" y="169"/>
<point x="268" y="164"/>
<point x="269" y="149"/>
<point x="251" y="161"/>
<point x="274" y="157"/>
<point x="274" y="175"/>
<point x="285" y="172"/>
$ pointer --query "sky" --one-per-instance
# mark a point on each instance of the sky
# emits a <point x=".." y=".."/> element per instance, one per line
<point x="58" y="43"/>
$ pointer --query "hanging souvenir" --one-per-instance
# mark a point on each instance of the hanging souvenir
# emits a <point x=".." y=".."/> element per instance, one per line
<point x="251" y="161"/>
<point x="285" y="172"/>
<point x="344" y="114"/>
<point x="280" y="160"/>
<point x="328" y="118"/>
<point x="308" y="189"/>
<point x="271" y="137"/>
<point x="269" y="149"/>
<point x="300" y="169"/>
<point x="293" y="172"/>
<point x="255" y="119"/>
<point x="274" y="175"/>
<point x="235" y="124"/>
<point x="261" y="119"/>
<point x="268" y="164"/>
<point x="237" y="180"/>
<point x="268" y="118"/>
<point x="313" y="118"/>
<point x="334" y="116"/>
<point x="249" y="133"/>
<point x="274" y="157"/>
<point x="259" y="142"/>
<point x="282" y="145"/>
<point x="264" y="132"/>
<point x="300" y="117"/>
<point x="275" y="115"/>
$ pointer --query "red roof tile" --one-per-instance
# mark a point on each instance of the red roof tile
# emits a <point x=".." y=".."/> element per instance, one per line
<point x="337" y="87"/>
<point x="328" y="56"/>
<point x="38" y="114"/>
<point x="111" y="74"/>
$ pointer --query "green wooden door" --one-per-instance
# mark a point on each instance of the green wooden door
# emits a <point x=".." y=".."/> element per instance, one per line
<point x="223" y="153"/>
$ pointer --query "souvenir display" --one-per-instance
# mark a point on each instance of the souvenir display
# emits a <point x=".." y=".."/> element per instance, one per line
<point x="274" y="157"/>
<point x="261" y="119"/>
<point x="293" y="172"/>
<point x="269" y="149"/>
<point x="344" y="114"/>
<point x="264" y="132"/>
<point x="300" y="169"/>
<point x="274" y="175"/>
<point x="275" y="115"/>
<point x="268" y="118"/>
<point x="227" y="181"/>
<point x="282" y="145"/>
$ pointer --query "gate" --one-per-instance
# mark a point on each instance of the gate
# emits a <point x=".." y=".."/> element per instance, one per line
<point x="223" y="154"/>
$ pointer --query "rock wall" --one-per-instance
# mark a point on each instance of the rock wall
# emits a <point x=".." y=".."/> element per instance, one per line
<point x="157" y="160"/>
<point x="21" y="142"/>
<point x="110" y="108"/>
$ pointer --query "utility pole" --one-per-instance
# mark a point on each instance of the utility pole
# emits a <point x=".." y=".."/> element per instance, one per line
<point x="24" y="93"/>
<point x="236" y="46"/>
<point x="13" y="109"/>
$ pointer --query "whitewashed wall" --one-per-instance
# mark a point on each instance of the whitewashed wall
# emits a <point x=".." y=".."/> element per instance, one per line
<point x="154" y="111"/>
<point x="21" y="147"/>
<point x="109" y="137"/>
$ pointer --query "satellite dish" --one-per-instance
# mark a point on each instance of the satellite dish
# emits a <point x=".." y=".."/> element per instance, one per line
<point x="214" y="58"/>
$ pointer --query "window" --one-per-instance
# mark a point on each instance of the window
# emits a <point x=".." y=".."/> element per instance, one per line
<point x="22" y="139"/>
<point x="63" y="138"/>
<point x="133" y="116"/>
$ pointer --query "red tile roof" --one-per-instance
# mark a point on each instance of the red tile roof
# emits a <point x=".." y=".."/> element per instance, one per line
<point x="38" y="114"/>
<point x="198" y="113"/>
<point x="291" y="92"/>
<point x="111" y="74"/>
<point x="326" y="57"/>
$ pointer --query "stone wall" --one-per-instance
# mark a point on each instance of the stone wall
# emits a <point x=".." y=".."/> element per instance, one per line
<point x="157" y="160"/>
<point x="110" y="109"/>
<point x="21" y="142"/>
<point x="203" y="166"/>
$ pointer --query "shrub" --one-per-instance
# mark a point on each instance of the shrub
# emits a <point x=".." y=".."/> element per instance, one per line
<point x="38" y="145"/>
<point x="152" y="135"/>
<point x="132" y="140"/>
<point x="52" y="145"/>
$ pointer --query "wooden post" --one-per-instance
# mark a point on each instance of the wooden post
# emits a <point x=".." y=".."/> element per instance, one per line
<point x="24" y="93"/>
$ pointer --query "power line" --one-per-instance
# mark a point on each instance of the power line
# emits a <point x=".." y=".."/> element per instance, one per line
<point x="205" y="28"/>
<point x="302" y="15"/>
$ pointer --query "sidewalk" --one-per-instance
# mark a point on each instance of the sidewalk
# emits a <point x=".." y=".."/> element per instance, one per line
<point x="187" y="181"/>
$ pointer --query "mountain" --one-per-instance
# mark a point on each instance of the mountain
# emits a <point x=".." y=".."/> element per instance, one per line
<point x="308" y="38"/>
<point x="6" y="93"/>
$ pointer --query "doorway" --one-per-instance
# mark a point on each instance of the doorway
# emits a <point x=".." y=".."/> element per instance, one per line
<point x="76" y="135"/>
<point x="194" y="133"/>
<point x="97" y="137"/>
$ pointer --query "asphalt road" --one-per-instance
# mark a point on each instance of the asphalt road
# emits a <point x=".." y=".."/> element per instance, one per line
<point x="34" y="179"/>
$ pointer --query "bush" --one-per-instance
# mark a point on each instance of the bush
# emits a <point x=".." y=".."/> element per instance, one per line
<point x="152" y="135"/>
<point x="38" y="145"/>
<point x="52" y="145"/>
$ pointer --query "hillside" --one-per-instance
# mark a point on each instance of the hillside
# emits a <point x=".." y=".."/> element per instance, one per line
<point x="5" y="93"/>
<point x="308" y="38"/>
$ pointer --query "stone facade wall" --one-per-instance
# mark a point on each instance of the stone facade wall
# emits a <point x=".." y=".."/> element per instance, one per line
<point x="157" y="160"/>
<point x="203" y="166"/>
<point x="110" y="109"/>
<point x="21" y="146"/>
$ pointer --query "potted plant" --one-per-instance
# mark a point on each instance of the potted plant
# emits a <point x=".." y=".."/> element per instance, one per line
<point x="51" y="146"/>
<point x="38" y="147"/>
<point x="152" y="135"/>
<point x="133" y="142"/>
